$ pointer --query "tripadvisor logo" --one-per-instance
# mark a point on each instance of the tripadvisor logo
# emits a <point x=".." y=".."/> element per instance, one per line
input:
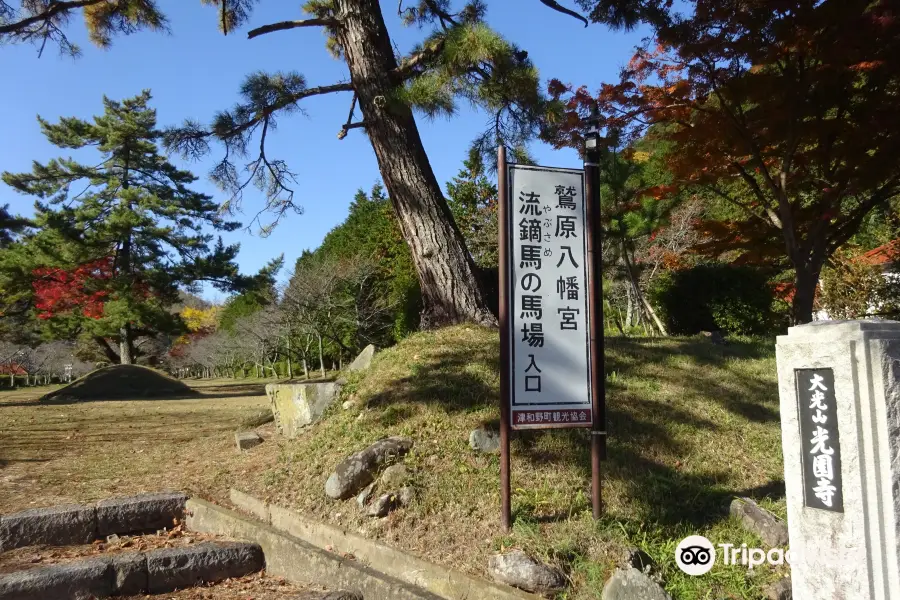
<point x="695" y="555"/>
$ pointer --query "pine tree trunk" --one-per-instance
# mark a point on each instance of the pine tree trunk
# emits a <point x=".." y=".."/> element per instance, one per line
<point x="125" y="346"/>
<point x="451" y="287"/>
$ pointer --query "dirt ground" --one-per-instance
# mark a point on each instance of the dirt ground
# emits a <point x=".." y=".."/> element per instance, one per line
<point x="86" y="451"/>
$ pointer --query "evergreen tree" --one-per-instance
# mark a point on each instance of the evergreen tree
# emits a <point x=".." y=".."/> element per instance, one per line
<point x="371" y="233"/>
<point x="10" y="226"/>
<point x="117" y="240"/>
<point x="461" y="57"/>
<point x="473" y="201"/>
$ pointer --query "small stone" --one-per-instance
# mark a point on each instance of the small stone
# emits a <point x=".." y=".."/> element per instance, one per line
<point x="638" y="559"/>
<point x="383" y="505"/>
<point x="780" y="590"/>
<point x="520" y="570"/>
<point x="631" y="584"/>
<point x="348" y="404"/>
<point x="770" y="529"/>
<point x="406" y="495"/>
<point x="358" y="470"/>
<point x="395" y="476"/>
<point x="364" y="495"/>
<point x="484" y="440"/>
<point x="247" y="439"/>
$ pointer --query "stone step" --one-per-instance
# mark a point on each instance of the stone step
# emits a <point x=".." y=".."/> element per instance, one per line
<point x="155" y="572"/>
<point x="82" y="524"/>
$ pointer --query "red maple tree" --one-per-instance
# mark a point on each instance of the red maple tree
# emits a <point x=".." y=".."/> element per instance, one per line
<point x="789" y="111"/>
<point x="59" y="291"/>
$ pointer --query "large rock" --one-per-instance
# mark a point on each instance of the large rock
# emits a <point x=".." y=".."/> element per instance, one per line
<point x="169" y="569"/>
<point x="520" y="570"/>
<point x="298" y="405"/>
<point x="53" y="526"/>
<point x="631" y="584"/>
<point x="484" y="440"/>
<point x="146" y="512"/>
<point x="364" y="360"/>
<point x="770" y="529"/>
<point x="359" y="470"/>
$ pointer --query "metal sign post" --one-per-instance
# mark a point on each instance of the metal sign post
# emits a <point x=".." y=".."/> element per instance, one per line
<point x="550" y="309"/>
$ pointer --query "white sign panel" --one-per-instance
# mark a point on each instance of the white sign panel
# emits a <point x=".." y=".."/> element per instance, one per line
<point x="548" y="299"/>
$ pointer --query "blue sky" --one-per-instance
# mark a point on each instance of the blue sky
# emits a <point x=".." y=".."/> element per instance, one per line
<point x="195" y="71"/>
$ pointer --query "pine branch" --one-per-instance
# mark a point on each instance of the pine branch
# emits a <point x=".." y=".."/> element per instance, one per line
<point x="52" y="10"/>
<point x="284" y="25"/>
<point x="409" y="66"/>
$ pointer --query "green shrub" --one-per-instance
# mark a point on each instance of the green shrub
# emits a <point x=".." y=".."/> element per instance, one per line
<point x="734" y="299"/>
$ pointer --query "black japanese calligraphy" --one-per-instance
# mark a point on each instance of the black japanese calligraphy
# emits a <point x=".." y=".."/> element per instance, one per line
<point x="530" y="230"/>
<point x="531" y="282"/>
<point x="533" y="333"/>
<point x="531" y="204"/>
<point x="532" y="382"/>
<point x="565" y="226"/>
<point x="568" y="318"/>
<point x="568" y="249"/>
<point x="530" y="257"/>
<point x="566" y="197"/>
<point x="567" y="288"/>
<point x="532" y="307"/>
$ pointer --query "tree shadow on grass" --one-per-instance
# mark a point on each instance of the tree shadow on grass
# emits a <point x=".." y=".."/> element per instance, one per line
<point x="649" y="439"/>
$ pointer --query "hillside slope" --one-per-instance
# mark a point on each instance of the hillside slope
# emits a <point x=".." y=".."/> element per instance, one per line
<point x="691" y="424"/>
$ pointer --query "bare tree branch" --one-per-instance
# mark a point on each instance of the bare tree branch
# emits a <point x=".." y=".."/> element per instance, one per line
<point x="284" y="25"/>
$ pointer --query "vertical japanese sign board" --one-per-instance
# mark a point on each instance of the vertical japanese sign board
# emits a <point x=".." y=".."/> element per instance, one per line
<point x="819" y="439"/>
<point x="548" y="320"/>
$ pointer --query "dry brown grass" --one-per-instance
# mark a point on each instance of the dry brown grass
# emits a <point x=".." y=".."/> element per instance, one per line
<point x="84" y="451"/>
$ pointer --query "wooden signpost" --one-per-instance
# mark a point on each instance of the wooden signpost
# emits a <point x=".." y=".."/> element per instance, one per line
<point x="550" y="308"/>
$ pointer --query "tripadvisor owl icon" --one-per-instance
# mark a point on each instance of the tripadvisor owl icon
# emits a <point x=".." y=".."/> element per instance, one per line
<point x="695" y="555"/>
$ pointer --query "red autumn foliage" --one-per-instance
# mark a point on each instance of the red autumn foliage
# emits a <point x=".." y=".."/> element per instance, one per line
<point x="785" y="110"/>
<point x="58" y="291"/>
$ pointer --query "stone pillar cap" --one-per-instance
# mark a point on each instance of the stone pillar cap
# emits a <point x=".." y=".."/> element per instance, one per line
<point x="839" y="329"/>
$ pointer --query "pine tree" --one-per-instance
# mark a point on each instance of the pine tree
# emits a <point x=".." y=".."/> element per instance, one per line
<point x="461" y="58"/>
<point x="117" y="240"/>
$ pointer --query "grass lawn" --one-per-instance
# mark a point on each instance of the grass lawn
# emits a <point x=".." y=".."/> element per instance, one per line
<point x="85" y="451"/>
<point x="691" y="425"/>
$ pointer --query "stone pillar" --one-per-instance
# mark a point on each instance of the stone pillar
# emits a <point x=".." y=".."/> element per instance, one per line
<point x="839" y="385"/>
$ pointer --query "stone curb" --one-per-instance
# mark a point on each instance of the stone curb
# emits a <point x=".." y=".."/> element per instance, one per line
<point x="298" y="561"/>
<point x="446" y="583"/>
<point x="82" y="524"/>
<point x="156" y="571"/>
